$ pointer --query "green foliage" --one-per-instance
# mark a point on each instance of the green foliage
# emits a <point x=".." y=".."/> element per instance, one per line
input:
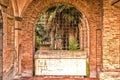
<point x="67" y="12"/>
<point x="37" y="42"/>
<point x="52" y="19"/>
<point x="39" y="35"/>
<point x="73" y="45"/>
<point x="40" y="30"/>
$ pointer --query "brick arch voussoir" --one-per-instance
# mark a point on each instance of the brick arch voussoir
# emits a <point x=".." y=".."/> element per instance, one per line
<point x="38" y="6"/>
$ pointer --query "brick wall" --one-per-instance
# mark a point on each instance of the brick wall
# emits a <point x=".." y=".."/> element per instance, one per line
<point x="8" y="43"/>
<point x="8" y="52"/>
<point x="111" y="41"/>
<point x="104" y="39"/>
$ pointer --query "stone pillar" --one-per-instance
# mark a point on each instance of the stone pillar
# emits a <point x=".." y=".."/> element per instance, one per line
<point x="16" y="44"/>
<point x="1" y="46"/>
<point x="19" y="60"/>
<point x="17" y="64"/>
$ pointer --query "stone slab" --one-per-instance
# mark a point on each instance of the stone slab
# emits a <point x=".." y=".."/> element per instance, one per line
<point x="63" y="66"/>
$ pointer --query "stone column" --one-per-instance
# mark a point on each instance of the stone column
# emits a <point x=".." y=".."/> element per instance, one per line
<point x="17" y="48"/>
<point x="19" y="60"/>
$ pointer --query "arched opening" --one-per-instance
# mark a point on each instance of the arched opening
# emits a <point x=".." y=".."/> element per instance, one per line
<point x="30" y="17"/>
<point x="61" y="33"/>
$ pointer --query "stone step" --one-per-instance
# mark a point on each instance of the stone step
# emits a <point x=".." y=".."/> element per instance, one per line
<point x="110" y="76"/>
<point x="62" y="78"/>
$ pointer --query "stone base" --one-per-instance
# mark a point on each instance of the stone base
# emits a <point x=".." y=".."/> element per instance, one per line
<point x="110" y="76"/>
<point x="27" y="74"/>
<point x="17" y="77"/>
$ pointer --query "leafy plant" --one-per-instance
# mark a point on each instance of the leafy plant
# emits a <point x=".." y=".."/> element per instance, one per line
<point x="37" y="42"/>
<point x="73" y="45"/>
<point x="52" y="22"/>
<point x="40" y="36"/>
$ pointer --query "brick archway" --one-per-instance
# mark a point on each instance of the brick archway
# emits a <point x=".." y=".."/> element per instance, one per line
<point x="30" y="16"/>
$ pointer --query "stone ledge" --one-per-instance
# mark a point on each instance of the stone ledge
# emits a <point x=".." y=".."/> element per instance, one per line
<point x="110" y="76"/>
<point x="111" y="70"/>
<point x="59" y="54"/>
